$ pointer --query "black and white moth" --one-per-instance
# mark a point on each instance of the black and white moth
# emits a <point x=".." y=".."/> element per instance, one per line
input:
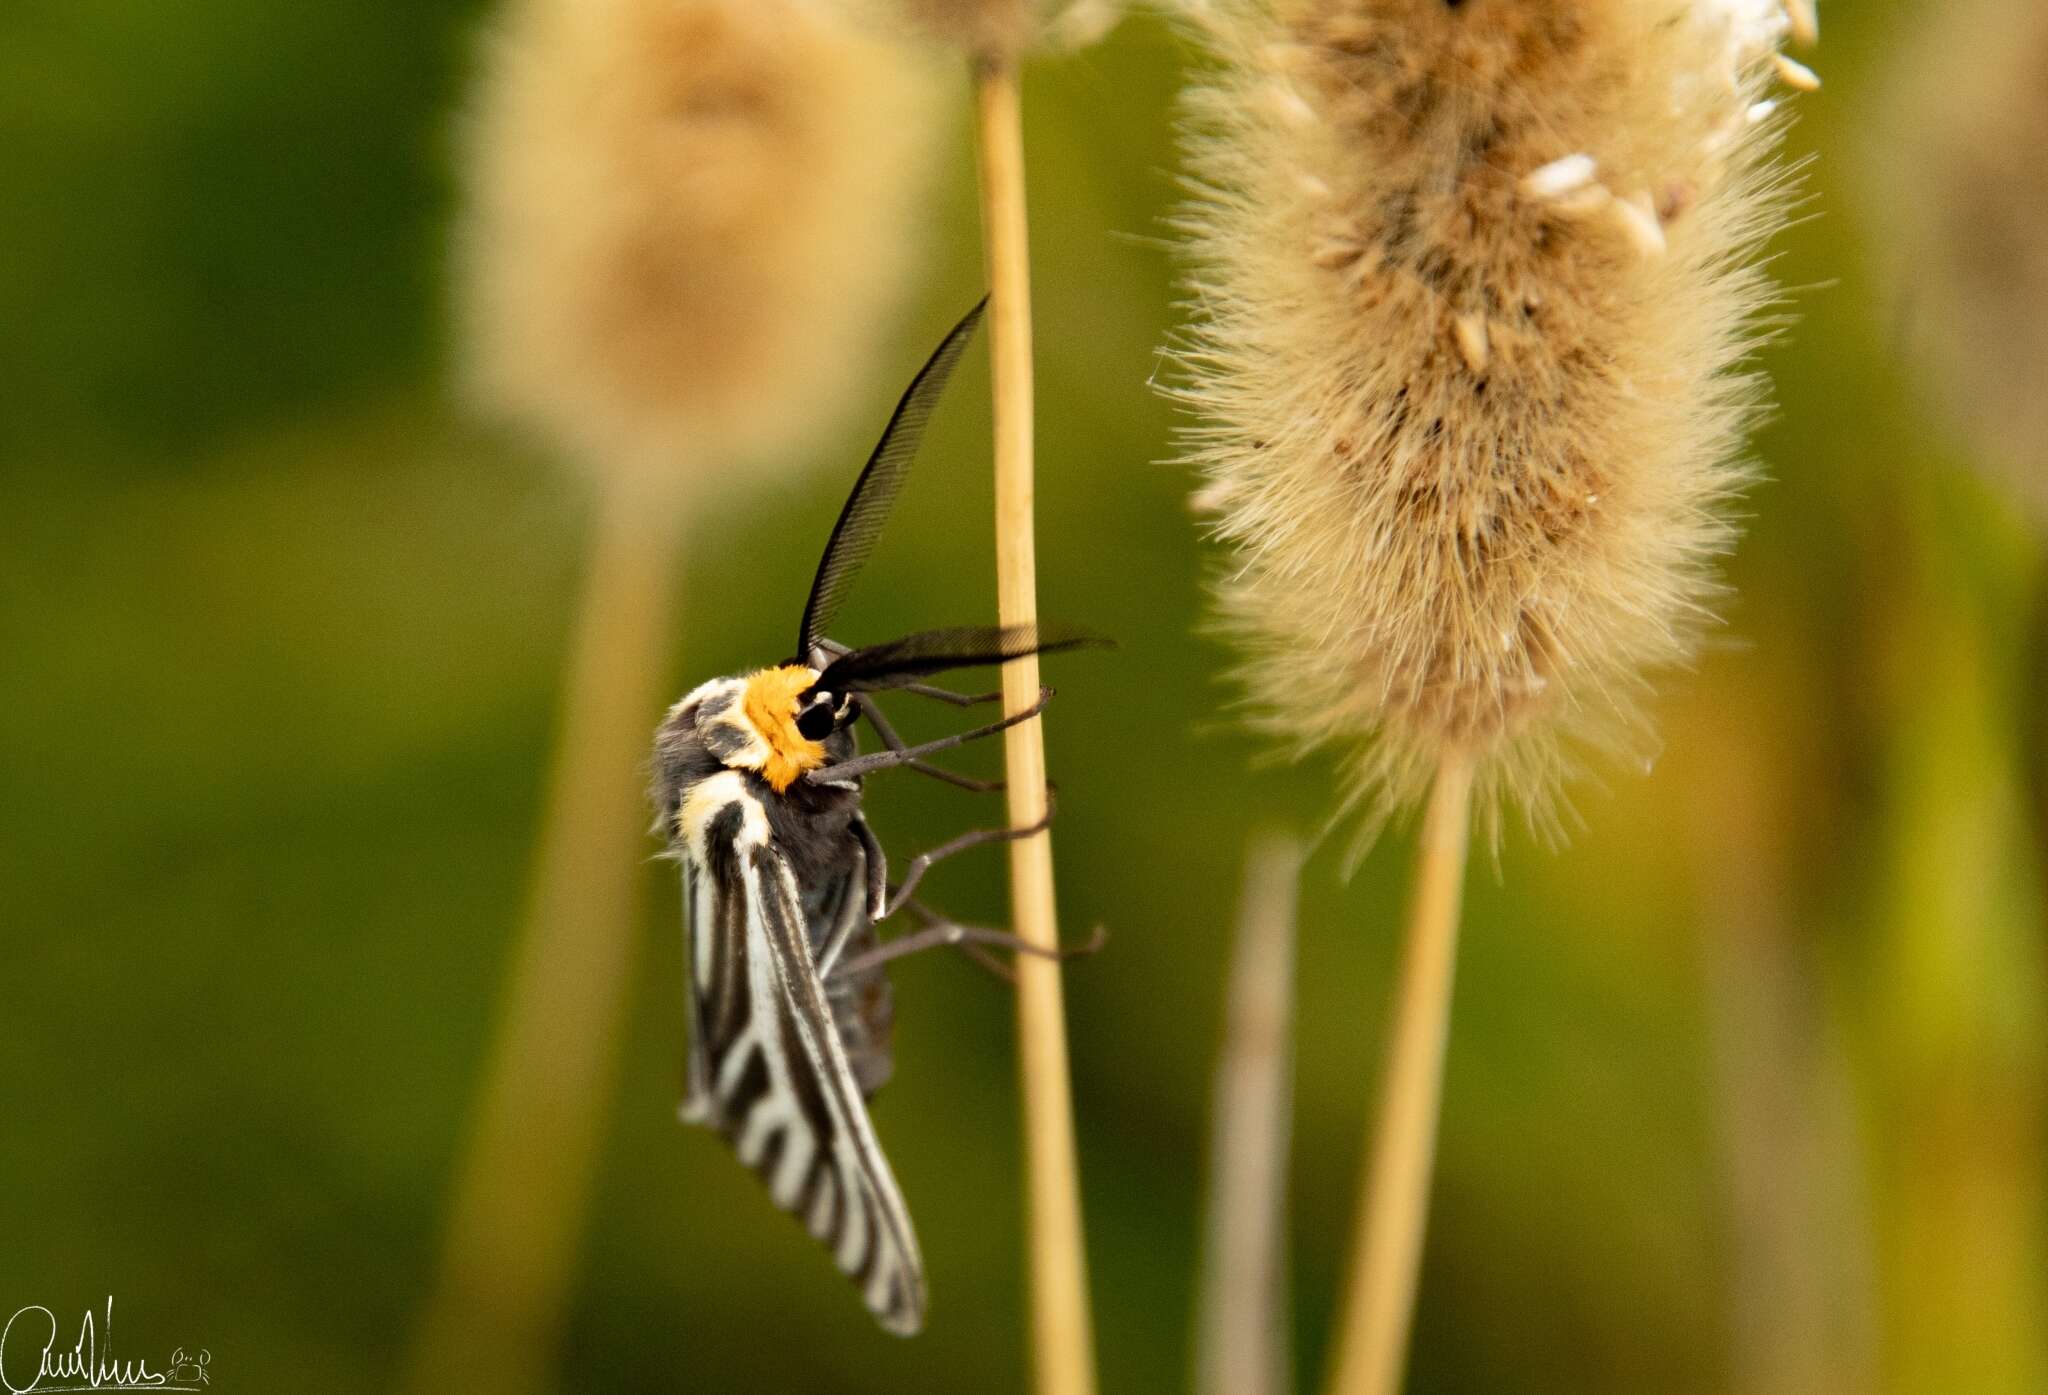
<point x="757" y="785"/>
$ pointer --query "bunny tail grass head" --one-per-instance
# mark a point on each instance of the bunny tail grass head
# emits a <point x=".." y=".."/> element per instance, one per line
<point x="684" y="220"/>
<point x="1002" y="30"/>
<point x="979" y="26"/>
<point x="1473" y="284"/>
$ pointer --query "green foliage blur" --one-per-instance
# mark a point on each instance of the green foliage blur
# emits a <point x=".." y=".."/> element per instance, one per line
<point x="1745" y="1084"/>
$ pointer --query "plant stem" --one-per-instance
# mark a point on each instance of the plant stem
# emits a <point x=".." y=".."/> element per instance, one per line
<point x="1061" y="1337"/>
<point x="522" y="1187"/>
<point x="1242" y="1346"/>
<point x="1372" y="1349"/>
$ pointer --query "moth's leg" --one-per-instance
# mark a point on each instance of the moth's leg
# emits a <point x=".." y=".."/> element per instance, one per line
<point x="877" y="867"/>
<point x="940" y="932"/>
<point x="981" y="957"/>
<point x="947" y="695"/>
<point x="885" y="760"/>
<point x="922" y="863"/>
<point x="988" y="962"/>
<point x="872" y="710"/>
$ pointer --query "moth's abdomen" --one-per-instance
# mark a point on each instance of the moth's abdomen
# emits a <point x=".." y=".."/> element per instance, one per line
<point x="864" y="1011"/>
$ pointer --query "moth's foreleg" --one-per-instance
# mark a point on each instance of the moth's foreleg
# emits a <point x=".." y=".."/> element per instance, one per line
<point x="947" y="695"/>
<point x="872" y="710"/>
<point x="922" y="863"/>
<point x="954" y="777"/>
<point x="885" y="760"/>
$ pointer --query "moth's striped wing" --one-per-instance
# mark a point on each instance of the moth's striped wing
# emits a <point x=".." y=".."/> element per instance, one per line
<point x="766" y="1066"/>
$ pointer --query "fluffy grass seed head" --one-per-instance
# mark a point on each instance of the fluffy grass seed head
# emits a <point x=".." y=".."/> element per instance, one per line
<point x="1959" y="174"/>
<point x="1004" y="29"/>
<point x="684" y="222"/>
<point x="1473" y="283"/>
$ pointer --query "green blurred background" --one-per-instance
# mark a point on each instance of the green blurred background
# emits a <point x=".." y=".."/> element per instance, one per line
<point x="1744" y="1090"/>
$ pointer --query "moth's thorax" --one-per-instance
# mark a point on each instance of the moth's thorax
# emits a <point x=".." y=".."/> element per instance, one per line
<point x="759" y="714"/>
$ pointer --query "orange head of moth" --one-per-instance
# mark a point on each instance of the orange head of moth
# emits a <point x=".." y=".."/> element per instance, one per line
<point x="770" y="704"/>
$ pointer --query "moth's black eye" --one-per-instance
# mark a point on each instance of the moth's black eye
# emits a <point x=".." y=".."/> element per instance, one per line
<point x="815" y="721"/>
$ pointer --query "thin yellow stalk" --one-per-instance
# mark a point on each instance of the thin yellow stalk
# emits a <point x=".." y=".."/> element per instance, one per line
<point x="1242" y="1344"/>
<point x="1372" y="1347"/>
<point x="522" y="1192"/>
<point x="1062" y="1341"/>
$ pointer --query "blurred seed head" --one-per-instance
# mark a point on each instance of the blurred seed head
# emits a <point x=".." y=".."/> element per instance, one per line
<point x="1960" y="177"/>
<point x="1473" y="283"/>
<point x="1002" y="28"/>
<point x="978" y="26"/>
<point x="684" y="221"/>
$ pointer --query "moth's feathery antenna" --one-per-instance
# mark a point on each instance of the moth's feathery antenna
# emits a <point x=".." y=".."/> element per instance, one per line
<point x="897" y="662"/>
<point x="874" y="493"/>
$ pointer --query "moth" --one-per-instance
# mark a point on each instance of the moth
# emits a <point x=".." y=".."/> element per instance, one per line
<point x="757" y="787"/>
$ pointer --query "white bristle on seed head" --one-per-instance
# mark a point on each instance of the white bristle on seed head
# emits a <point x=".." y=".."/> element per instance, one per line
<point x="1474" y="342"/>
<point x="1797" y="75"/>
<point x="1638" y="221"/>
<point x="1560" y="176"/>
<point x="1803" y="17"/>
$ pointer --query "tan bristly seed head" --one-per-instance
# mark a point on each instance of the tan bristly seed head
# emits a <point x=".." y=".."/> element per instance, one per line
<point x="1472" y="285"/>
<point x="1002" y="29"/>
<point x="684" y="222"/>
